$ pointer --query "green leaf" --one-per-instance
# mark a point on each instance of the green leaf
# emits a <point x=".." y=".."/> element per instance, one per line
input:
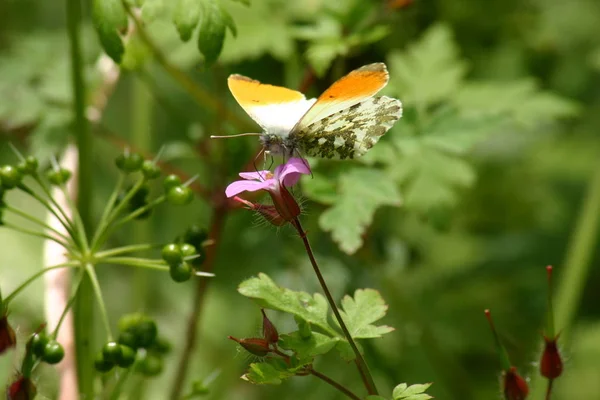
<point x="412" y="392"/>
<point x="109" y="18"/>
<point x="321" y="54"/>
<point x="345" y="350"/>
<point x="153" y="10"/>
<point x="212" y="31"/>
<point x="267" y="294"/>
<point x="186" y="16"/>
<point x="429" y="71"/>
<point x="521" y="100"/>
<point x="314" y="345"/>
<point x="361" y="192"/>
<point x="360" y="312"/>
<point x="267" y="373"/>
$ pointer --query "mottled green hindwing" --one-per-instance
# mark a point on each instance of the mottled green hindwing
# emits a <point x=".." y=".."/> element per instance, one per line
<point x="349" y="133"/>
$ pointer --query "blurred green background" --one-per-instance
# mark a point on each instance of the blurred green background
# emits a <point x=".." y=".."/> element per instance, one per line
<point x="497" y="152"/>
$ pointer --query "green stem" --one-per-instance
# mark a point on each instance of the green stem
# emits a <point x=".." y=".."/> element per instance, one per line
<point x="138" y="212"/>
<point x="576" y="269"/>
<point x="98" y="292"/>
<point x="80" y="226"/>
<point x="36" y="221"/>
<point x="125" y="249"/>
<point x="63" y="218"/>
<point x="33" y="277"/>
<point x="83" y="307"/>
<point x="104" y="220"/>
<point x="69" y="304"/>
<point x="118" y="388"/>
<point x="362" y="366"/>
<point x="335" y="384"/>
<point x="42" y="235"/>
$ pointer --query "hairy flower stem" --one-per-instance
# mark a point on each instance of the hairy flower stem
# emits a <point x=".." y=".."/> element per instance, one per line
<point x="549" y="389"/>
<point x="335" y="384"/>
<point x="363" y="369"/>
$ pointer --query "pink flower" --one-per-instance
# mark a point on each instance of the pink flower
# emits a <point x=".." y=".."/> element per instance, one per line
<point x="276" y="185"/>
<point x="286" y="175"/>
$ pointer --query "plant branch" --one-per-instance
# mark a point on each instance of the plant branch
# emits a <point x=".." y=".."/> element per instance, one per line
<point x="363" y="369"/>
<point x="215" y="229"/>
<point x="335" y="384"/>
<point x="33" y="277"/>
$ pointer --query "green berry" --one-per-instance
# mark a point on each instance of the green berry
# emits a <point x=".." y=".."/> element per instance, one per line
<point x="146" y="332"/>
<point x="127" y="357"/>
<point x="150" y="170"/>
<point x="150" y="365"/>
<point x="28" y="166"/>
<point x="161" y="345"/>
<point x="172" y="254"/>
<point x="101" y="364"/>
<point x="171" y="181"/>
<point x="53" y="352"/>
<point x="11" y="176"/>
<point x="111" y="351"/>
<point x="128" y="339"/>
<point x="187" y="249"/>
<point x="180" y="195"/>
<point x="38" y="343"/>
<point x="58" y="176"/>
<point x="195" y="235"/>
<point x="129" y="162"/>
<point x="180" y="272"/>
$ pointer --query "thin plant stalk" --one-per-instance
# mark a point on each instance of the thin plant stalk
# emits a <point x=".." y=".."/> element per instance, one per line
<point x="362" y="366"/>
<point x="335" y="384"/>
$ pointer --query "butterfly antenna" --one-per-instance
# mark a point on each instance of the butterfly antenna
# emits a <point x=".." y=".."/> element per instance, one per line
<point x="234" y="136"/>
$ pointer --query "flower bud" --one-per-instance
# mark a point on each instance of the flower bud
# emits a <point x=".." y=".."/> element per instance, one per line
<point x="269" y="331"/>
<point x="285" y="203"/>
<point x="21" y="389"/>
<point x="7" y="335"/>
<point x="551" y="365"/>
<point x="257" y="346"/>
<point x="514" y="386"/>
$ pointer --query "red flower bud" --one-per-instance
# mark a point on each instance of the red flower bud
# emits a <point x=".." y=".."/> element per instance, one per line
<point x="515" y="387"/>
<point x="551" y="365"/>
<point x="269" y="331"/>
<point x="285" y="203"/>
<point x="268" y="212"/>
<point x="21" y="389"/>
<point x="7" y="335"/>
<point x="257" y="346"/>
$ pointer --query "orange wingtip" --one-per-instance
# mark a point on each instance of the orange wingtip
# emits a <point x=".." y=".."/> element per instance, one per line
<point x="362" y="82"/>
<point x="249" y="92"/>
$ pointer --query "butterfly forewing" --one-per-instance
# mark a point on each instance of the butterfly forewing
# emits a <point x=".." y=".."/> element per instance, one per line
<point x="348" y="133"/>
<point x="352" y="89"/>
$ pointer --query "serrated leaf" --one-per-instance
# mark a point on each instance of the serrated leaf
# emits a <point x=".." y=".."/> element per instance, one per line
<point x="267" y="294"/>
<point x="266" y="373"/>
<point x="429" y="71"/>
<point x="412" y="392"/>
<point x="521" y="100"/>
<point x="314" y="345"/>
<point x="345" y="350"/>
<point x="361" y="192"/>
<point x="360" y="312"/>
<point x="186" y="15"/>
<point x="109" y="18"/>
<point x="212" y="31"/>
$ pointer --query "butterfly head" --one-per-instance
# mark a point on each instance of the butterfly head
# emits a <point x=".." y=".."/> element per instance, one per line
<point x="275" y="144"/>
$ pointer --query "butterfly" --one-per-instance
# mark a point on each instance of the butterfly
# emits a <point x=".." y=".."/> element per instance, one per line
<point x="343" y="123"/>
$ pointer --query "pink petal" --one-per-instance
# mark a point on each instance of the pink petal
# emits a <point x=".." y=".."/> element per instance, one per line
<point x="238" y="187"/>
<point x="256" y="175"/>
<point x="290" y="173"/>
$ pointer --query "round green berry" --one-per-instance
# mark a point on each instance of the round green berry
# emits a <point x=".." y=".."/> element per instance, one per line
<point x="128" y="339"/>
<point x="58" y="176"/>
<point x="101" y="364"/>
<point x="53" y="352"/>
<point x="180" y="195"/>
<point x="127" y="357"/>
<point x="195" y="235"/>
<point x="129" y="162"/>
<point x="11" y="176"/>
<point x="161" y="345"/>
<point x="172" y="254"/>
<point x="180" y="272"/>
<point x="187" y="249"/>
<point x="171" y="181"/>
<point x="28" y="166"/>
<point x="150" y="365"/>
<point x="150" y="170"/>
<point x="38" y="343"/>
<point x="146" y="332"/>
<point x="111" y="351"/>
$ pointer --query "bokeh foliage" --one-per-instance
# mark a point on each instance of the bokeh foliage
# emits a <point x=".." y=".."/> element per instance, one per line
<point x="457" y="209"/>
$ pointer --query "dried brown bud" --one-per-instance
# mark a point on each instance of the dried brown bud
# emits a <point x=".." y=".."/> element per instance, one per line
<point x="7" y="335"/>
<point x="269" y="330"/>
<point x="257" y="346"/>
<point x="551" y="365"/>
<point x="515" y="387"/>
